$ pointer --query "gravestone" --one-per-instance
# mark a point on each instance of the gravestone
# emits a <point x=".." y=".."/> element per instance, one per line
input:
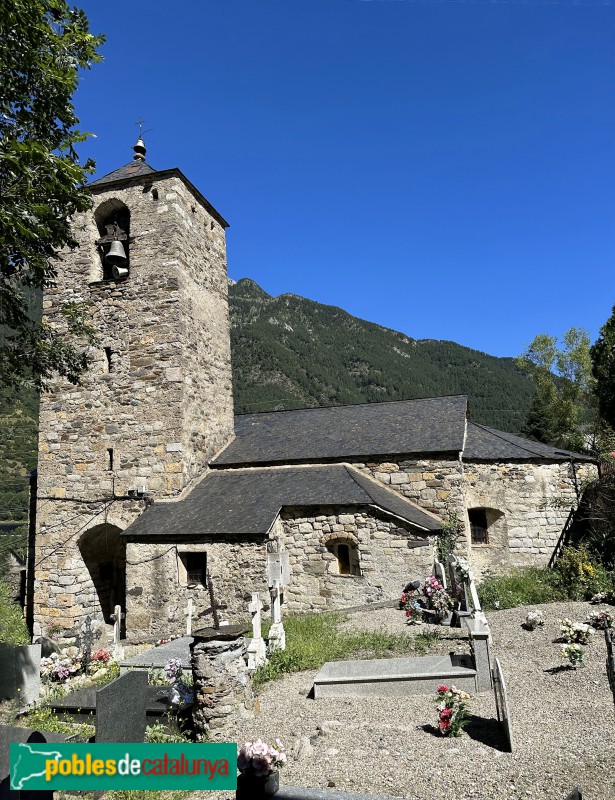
<point x="501" y="703"/>
<point x="188" y="612"/>
<point x="439" y="572"/>
<point x="278" y="569"/>
<point x="120" y="709"/>
<point x="20" y="677"/>
<point x="277" y="634"/>
<point x="11" y="735"/>
<point x="257" y="652"/>
<point x="117" y="617"/>
<point x="609" y="634"/>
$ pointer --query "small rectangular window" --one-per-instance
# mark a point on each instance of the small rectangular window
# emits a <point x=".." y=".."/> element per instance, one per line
<point x="194" y="567"/>
<point x="108" y="364"/>
<point x="110" y="459"/>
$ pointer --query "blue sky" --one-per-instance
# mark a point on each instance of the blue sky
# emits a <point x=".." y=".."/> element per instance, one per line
<point x="446" y="169"/>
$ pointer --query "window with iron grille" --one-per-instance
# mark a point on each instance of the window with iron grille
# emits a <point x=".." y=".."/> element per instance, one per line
<point x="478" y="525"/>
<point x="195" y="566"/>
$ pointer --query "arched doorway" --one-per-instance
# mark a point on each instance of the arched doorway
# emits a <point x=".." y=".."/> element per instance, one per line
<point x="104" y="554"/>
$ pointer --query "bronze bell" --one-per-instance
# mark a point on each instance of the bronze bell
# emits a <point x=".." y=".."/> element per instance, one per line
<point x="116" y="254"/>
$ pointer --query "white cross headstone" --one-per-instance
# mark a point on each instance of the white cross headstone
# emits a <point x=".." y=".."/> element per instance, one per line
<point x="188" y="612"/>
<point x="117" y="616"/>
<point x="257" y="653"/>
<point x="277" y="634"/>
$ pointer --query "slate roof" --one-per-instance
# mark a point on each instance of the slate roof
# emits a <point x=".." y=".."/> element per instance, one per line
<point x="489" y="444"/>
<point x="341" y="433"/>
<point x="134" y="169"/>
<point x="248" y="501"/>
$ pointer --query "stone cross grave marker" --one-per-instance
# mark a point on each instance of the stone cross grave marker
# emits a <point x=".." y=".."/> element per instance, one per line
<point x="501" y="703"/>
<point x="278" y="569"/>
<point x="120" y="708"/>
<point x="277" y="634"/>
<point x="188" y="612"/>
<point x="257" y="653"/>
<point x="117" y="617"/>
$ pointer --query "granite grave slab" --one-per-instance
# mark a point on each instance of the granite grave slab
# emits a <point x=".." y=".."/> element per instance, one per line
<point x="394" y="676"/>
<point x="157" y="657"/>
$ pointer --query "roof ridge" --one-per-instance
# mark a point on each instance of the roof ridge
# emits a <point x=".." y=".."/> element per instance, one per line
<point x="350" y="405"/>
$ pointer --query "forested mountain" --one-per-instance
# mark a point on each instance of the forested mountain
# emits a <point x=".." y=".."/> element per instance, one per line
<point x="289" y="352"/>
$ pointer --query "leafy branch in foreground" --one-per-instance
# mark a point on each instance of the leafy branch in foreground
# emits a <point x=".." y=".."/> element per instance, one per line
<point x="43" y="45"/>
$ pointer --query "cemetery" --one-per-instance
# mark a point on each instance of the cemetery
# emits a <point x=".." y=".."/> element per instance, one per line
<point x="466" y="704"/>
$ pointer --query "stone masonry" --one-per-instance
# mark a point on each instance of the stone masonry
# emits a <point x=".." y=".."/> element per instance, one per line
<point x="156" y="404"/>
<point x="385" y="560"/>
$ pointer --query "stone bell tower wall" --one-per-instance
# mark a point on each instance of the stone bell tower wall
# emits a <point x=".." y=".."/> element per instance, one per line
<point x="156" y="403"/>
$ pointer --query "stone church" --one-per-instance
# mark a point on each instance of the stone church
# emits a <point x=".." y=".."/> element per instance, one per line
<point x="147" y="483"/>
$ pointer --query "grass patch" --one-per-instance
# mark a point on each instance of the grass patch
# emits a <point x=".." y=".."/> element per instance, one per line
<point x="43" y="719"/>
<point x="313" y="639"/>
<point x="521" y="587"/>
<point x="13" y="629"/>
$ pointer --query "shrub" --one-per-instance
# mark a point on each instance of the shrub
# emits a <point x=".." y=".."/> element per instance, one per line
<point x="580" y="577"/>
<point x="521" y="587"/>
<point x="13" y="629"/>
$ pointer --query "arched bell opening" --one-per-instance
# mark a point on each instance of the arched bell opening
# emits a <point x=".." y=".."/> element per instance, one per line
<point x="104" y="553"/>
<point x="113" y="222"/>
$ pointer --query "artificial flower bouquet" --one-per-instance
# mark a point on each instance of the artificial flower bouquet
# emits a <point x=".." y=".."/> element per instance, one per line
<point x="261" y="759"/>
<point x="533" y="620"/>
<point x="58" y="667"/>
<point x="575" y="632"/>
<point x="452" y="706"/>
<point x="409" y="602"/>
<point x="573" y="653"/>
<point x="601" y="620"/>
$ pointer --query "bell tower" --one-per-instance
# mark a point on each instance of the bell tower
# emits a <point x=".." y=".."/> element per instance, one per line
<point x="156" y="403"/>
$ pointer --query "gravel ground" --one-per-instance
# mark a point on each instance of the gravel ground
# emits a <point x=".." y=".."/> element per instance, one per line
<point x="563" y="724"/>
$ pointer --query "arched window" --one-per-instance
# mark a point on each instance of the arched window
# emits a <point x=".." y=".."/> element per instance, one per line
<point x="346" y="551"/>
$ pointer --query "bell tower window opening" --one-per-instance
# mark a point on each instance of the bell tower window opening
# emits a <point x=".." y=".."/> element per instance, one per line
<point x="113" y="223"/>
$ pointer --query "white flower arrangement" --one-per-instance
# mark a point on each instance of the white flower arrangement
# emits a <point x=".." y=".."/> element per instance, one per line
<point x="260" y="758"/>
<point x="576" y="632"/>
<point x="534" y="619"/>
<point x="462" y="567"/>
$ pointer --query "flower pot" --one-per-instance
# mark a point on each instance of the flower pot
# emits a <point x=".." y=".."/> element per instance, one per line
<point x="253" y="787"/>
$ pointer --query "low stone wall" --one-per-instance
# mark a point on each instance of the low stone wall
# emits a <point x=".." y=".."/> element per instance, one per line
<point x="384" y="557"/>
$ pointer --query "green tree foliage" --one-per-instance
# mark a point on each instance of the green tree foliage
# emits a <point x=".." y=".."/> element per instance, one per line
<point x="561" y="412"/>
<point x="43" y="45"/>
<point x="603" y="370"/>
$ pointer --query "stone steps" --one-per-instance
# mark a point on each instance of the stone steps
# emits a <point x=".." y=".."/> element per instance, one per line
<point x="391" y="677"/>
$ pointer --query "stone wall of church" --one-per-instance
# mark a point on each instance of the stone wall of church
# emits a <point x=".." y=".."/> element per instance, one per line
<point x="527" y="504"/>
<point x="435" y="485"/>
<point x="379" y="556"/>
<point x="156" y="402"/>
<point x="158" y="589"/>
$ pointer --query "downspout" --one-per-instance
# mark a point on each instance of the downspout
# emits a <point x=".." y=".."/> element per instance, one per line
<point x="31" y="551"/>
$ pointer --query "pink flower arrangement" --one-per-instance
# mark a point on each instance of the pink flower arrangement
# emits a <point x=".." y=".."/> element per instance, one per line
<point x="261" y="758"/>
<point x="101" y="655"/>
<point x="452" y="710"/>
